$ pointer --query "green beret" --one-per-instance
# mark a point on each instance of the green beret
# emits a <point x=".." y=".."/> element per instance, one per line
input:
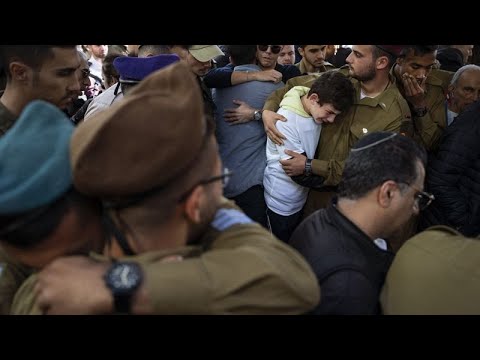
<point x="34" y="159"/>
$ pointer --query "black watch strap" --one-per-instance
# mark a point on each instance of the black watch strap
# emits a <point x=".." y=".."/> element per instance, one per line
<point x="308" y="167"/>
<point x="122" y="303"/>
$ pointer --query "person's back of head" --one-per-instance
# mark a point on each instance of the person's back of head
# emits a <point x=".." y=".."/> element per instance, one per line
<point x="450" y="59"/>
<point x="163" y="110"/>
<point x="110" y="74"/>
<point x="378" y="157"/>
<point x="434" y="273"/>
<point x="152" y="50"/>
<point x="40" y="213"/>
<point x="242" y="54"/>
<point x="132" y="70"/>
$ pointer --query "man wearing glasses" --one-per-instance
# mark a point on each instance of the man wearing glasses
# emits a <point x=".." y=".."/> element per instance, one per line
<point x="170" y="240"/>
<point x="347" y="243"/>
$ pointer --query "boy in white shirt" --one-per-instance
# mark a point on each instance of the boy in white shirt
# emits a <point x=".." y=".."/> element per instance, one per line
<point x="305" y="110"/>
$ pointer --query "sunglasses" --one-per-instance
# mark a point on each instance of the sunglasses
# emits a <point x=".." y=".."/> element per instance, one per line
<point x="274" y="48"/>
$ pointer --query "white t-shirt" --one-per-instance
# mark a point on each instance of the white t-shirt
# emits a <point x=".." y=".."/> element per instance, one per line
<point x="282" y="195"/>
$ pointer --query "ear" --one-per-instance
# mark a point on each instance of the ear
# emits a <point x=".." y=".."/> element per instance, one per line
<point x="313" y="97"/>
<point x="382" y="62"/>
<point x="192" y="205"/>
<point x="386" y="193"/>
<point x="450" y="89"/>
<point x="19" y="71"/>
<point x="301" y="52"/>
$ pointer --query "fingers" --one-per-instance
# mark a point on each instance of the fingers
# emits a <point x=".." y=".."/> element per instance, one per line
<point x="276" y="139"/>
<point x="292" y="153"/>
<point x="238" y="102"/>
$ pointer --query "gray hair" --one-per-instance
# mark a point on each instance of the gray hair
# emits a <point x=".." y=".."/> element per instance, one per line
<point x="460" y="71"/>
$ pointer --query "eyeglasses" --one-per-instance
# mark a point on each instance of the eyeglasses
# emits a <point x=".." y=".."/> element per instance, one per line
<point x="224" y="177"/>
<point x="275" y="48"/>
<point x="423" y="198"/>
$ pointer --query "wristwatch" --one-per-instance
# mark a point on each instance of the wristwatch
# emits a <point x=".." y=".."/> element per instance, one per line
<point x="123" y="279"/>
<point x="420" y="112"/>
<point x="308" y="167"/>
<point x="257" y="115"/>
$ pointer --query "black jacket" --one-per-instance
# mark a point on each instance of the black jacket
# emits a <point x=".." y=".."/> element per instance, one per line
<point x="349" y="267"/>
<point x="453" y="176"/>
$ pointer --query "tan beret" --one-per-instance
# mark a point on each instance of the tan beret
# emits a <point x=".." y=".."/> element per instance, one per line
<point x="143" y="141"/>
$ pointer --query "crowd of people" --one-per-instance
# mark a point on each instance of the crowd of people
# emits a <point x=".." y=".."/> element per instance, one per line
<point x="239" y="179"/>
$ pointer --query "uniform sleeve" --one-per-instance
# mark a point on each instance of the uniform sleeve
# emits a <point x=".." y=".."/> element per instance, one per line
<point x="331" y="170"/>
<point x="219" y="78"/>
<point x="430" y="127"/>
<point x="274" y="100"/>
<point x="12" y="275"/>
<point x="24" y="300"/>
<point x="246" y="271"/>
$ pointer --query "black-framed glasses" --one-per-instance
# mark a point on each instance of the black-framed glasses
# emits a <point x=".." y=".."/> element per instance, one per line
<point x="224" y="177"/>
<point x="275" y="48"/>
<point x="423" y="198"/>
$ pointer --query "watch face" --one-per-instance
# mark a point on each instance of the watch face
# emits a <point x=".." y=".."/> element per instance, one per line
<point x="257" y="116"/>
<point x="124" y="277"/>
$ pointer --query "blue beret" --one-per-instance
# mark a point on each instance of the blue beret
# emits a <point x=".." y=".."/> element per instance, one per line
<point x="135" y="69"/>
<point x="34" y="159"/>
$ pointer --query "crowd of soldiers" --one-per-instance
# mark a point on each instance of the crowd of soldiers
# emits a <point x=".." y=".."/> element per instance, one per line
<point x="239" y="179"/>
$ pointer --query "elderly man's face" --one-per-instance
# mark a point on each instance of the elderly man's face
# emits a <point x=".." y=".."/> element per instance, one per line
<point x="465" y="91"/>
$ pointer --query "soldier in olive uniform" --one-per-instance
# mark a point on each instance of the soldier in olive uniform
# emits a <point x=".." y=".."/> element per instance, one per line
<point x="424" y="90"/>
<point x="434" y="273"/>
<point x="45" y="72"/>
<point x="313" y="59"/>
<point x="175" y="250"/>
<point x="378" y="106"/>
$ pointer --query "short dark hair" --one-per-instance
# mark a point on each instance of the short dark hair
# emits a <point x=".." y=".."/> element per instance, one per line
<point x="153" y="49"/>
<point x="418" y="50"/>
<point x="32" y="227"/>
<point x="332" y="87"/>
<point x="378" y="157"/>
<point x="32" y="55"/>
<point x="109" y="72"/>
<point x="242" y="54"/>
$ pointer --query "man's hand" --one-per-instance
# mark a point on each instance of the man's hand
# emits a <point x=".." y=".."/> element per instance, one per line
<point x="414" y="91"/>
<point x="294" y="166"/>
<point x="269" y="119"/>
<point x="242" y="114"/>
<point x="267" y="75"/>
<point x="73" y="285"/>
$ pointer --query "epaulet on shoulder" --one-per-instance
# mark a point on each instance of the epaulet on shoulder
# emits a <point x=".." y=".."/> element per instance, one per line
<point x="226" y="218"/>
<point x="444" y="76"/>
<point x="344" y="70"/>
<point x="444" y="229"/>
